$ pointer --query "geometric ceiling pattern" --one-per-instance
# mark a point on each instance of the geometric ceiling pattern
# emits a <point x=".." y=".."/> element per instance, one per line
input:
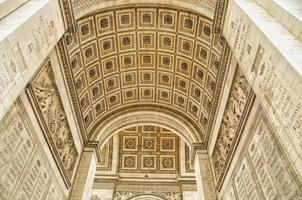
<point x="161" y="57"/>
<point x="148" y="149"/>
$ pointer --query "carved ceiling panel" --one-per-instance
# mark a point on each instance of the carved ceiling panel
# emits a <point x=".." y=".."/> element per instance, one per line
<point x="148" y="149"/>
<point x="160" y="57"/>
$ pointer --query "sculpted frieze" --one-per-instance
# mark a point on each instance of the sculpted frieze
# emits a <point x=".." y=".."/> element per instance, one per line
<point x="232" y="117"/>
<point x="128" y="195"/>
<point x="45" y="96"/>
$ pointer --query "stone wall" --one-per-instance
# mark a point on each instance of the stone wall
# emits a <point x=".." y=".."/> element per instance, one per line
<point x="272" y="69"/>
<point x="267" y="162"/>
<point x="27" y="36"/>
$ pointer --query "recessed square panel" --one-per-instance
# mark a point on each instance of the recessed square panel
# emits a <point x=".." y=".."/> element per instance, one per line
<point x="167" y="144"/>
<point x="165" y="61"/>
<point x="164" y="79"/>
<point x="130" y="143"/>
<point x="148" y="162"/>
<point x="149" y="129"/>
<point x="84" y="102"/>
<point x="99" y="107"/>
<point x="109" y="66"/>
<point x="204" y="32"/>
<point x="201" y="53"/>
<point x="90" y="53"/>
<point x="113" y="100"/>
<point x="105" y="23"/>
<point x="88" y="118"/>
<point x="107" y="46"/>
<point x="146" y="18"/>
<point x="80" y="83"/>
<point x="129" y="79"/>
<point x="93" y="73"/>
<point x="127" y="42"/>
<point x="147" y="93"/>
<point x="146" y="59"/>
<point x="211" y="84"/>
<point x="125" y="19"/>
<point x="76" y="62"/>
<point x="183" y="66"/>
<point x="207" y="103"/>
<point x="164" y="95"/>
<point x="146" y="77"/>
<point x="214" y="63"/>
<point x="203" y="120"/>
<point x="179" y="100"/>
<point x="196" y="93"/>
<point x="147" y="40"/>
<point x="166" y="42"/>
<point x="193" y="109"/>
<point x="112" y="84"/>
<point x="130" y="95"/>
<point x="167" y="19"/>
<point x="96" y="91"/>
<point x="86" y="29"/>
<point x="127" y="61"/>
<point x="185" y="46"/>
<point x="181" y="84"/>
<point x="129" y="162"/>
<point x="199" y="75"/>
<point x="148" y="143"/>
<point x="187" y="23"/>
<point x="167" y="162"/>
<point x="133" y="129"/>
<point x="71" y="41"/>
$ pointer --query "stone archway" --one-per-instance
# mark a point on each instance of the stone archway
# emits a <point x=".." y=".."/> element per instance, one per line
<point x="156" y="118"/>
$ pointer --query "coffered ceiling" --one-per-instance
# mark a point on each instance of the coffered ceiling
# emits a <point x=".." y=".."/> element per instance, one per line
<point x="145" y="56"/>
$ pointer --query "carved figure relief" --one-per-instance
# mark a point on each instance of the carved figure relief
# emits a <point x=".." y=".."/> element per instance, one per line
<point x="230" y="122"/>
<point x="53" y="119"/>
<point x="130" y="195"/>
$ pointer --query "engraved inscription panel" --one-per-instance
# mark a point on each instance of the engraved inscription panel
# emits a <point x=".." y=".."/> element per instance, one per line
<point x="24" y="172"/>
<point x="263" y="171"/>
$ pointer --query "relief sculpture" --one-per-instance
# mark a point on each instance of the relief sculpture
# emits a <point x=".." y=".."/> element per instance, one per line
<point x="230" y="122"/>
<point x="128" y="195"/>
<point x="53" y="119"/>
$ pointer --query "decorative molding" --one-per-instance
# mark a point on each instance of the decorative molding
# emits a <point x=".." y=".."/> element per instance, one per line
<point x="224" y="66"/>
<point x="220" y="11"/>
<point x="45" y="98"/>
<point x="68" y="15"/>
<point x="106" y="153"/>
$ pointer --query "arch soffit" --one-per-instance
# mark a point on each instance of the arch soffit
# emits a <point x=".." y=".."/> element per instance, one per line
<point x="202" y="94"/>
<point x="155" y="118"/>
<point x="82" y="9"/>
